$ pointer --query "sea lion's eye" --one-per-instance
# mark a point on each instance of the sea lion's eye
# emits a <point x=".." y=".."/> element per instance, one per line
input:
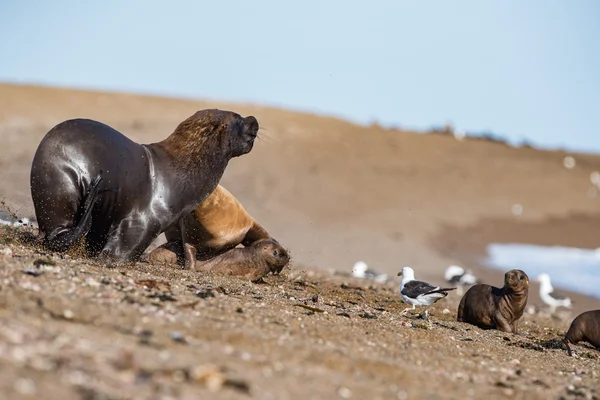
<point x="275" y="253"/>
<point x="521" y="277"/>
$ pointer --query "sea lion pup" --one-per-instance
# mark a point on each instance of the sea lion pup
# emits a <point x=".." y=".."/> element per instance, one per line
<point x="217" y="225"/>
<point x="489" y="307"/>
<point x="87" y="179"/>
<point x="252" y="262"/>
<point x="584" y="328"/>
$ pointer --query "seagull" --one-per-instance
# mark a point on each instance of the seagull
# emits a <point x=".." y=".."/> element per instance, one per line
<point x="419" y="293"/>
<point x="361" y="270"/>
<point x="10" y="220"/>
<point x="460" y="277"/>
<point x="550" y="296"/>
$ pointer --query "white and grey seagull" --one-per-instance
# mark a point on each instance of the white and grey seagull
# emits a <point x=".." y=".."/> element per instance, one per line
<point x="550" y="296"/>
<point x="419" y="293"/>
<point x="460" y="277"/>
<point x="361" y="270"/>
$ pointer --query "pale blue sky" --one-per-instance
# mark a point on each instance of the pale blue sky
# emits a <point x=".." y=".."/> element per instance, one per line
<point x="524" y="69"/>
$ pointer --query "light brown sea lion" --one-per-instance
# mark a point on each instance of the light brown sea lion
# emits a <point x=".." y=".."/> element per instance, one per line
<point x="252" y="262"/>
<point x="489" y="307"/>
<point x="584" y="328"/>
<point x="217" y="225"/>
<point x="87" y="179"/>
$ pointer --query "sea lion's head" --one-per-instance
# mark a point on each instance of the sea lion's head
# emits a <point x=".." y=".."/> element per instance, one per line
<point x="274" y="254"/>
<point x="212" y="132"/>
<point x="516" y="280"/>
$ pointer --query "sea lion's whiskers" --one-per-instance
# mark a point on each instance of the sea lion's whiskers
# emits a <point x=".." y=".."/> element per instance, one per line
<point x="265" y="136"/>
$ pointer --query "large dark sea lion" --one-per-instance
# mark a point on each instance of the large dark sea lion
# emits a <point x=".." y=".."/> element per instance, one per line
<point x="489" y="307"/>
<point x="218" y="224"/>
<point x="87" y="179"/>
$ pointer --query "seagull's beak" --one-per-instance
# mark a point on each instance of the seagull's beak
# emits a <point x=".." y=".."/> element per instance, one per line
<point x="399" y="273"/>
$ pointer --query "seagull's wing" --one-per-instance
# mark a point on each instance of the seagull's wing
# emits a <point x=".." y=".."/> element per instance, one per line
<point x="557" y="295"/>
<point x="414" y="289"/>
<point x="455" y="279"/>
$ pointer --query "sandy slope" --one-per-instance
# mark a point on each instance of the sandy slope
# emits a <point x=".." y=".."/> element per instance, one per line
<point x="336" y="192"/>
<point x="73" y="330"/>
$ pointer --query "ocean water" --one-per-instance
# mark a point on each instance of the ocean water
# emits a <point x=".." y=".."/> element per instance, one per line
<point x="570" y="268"/>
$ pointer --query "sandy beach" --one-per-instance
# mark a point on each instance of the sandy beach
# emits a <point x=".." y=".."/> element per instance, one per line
<point x="333" y="193"/>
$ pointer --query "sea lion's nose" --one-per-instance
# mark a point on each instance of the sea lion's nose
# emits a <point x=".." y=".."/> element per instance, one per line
<point x="251" y="125"/>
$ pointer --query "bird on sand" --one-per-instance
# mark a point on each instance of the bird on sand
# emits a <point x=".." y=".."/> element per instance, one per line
<point x="419" y="293"/>
<point x="361" y="270"/>
<point x="460" y="277"/>
<point x="551" y="297"/>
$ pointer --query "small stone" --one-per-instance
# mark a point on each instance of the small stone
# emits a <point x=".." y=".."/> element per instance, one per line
<point x="445" y="311"/>
<point x="32" y="271"/>
<point x="515" y="361"/>
<point x="344" y="392"/>
<point x="6" y="252"/>
<point x="179" y="376"/>
<point x="177" y="337"/>
<point x="25" y="386"/>
<point x="507" y="371"/>
<point x="205" y="293"/>
<point x="68" y="314"/>
<point x="367" y="315"/>
<point x="34" y="287"/>
<point x="210" y="376"/>
<point x="92" y="282"/>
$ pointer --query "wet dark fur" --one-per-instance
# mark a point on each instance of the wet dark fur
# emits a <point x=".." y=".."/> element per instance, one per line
<point x="89" y="180"/>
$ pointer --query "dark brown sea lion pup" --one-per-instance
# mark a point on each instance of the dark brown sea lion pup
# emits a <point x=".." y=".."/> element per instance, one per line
<point x="584" y="328"/>
<point x="217" y="225"/>
<point x="252" y="262"/>
<point x="489" y="307"/>
<point x="87" y="179"/>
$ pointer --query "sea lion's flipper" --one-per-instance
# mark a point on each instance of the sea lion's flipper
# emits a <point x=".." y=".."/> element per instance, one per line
<point x="190" y="253"/>
<point x="61" y="239"/>
<point x="566" y="342"/>
<point x="167" y="253"/>
<point x="501" y="323"/>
